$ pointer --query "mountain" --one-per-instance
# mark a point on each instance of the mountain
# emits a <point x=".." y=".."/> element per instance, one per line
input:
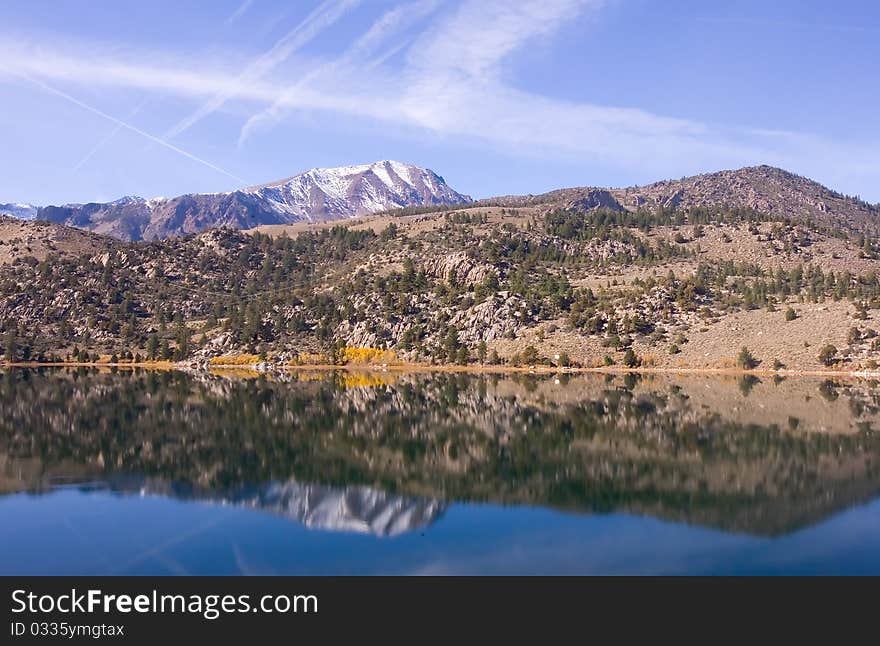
<point x="666" y="275"/>
<point x="772" y="191"/>
<point x="20" y="211"/>
<point x="353" y="509"/>
<point x="317" y="195"/>
<point x="348" y="191"/>
<point x="37" y="239"/>
<point x="330" y="194"/>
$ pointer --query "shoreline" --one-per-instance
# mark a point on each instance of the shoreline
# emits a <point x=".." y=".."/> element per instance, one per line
<point x="476" y="369"/>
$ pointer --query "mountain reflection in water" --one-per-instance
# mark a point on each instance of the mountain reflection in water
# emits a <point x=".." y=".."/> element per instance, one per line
<point x="361" y="510"/>
<point x="386" y="453"/>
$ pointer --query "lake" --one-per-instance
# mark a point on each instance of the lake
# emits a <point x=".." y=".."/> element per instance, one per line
<point x="150" y="472"/>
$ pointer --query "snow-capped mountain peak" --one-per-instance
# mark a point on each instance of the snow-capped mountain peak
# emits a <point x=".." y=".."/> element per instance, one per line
<point x="350" y="191"/>
<point x="353" y="509"/>
<point x="128" y="199"/>
<point x="315" y="195"/>
<point x="20" y="211"/>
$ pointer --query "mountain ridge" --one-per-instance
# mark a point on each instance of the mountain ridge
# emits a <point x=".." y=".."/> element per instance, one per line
<point x="339" y="193"/>
<point x="767" y="189"/>
<point x="576" y="275"/>
<point x="317" y="194"/>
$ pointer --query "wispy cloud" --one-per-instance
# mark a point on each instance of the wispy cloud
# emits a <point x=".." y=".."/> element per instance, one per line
<point x="471" y="41"/>
<point x="239" y="11"/>
<point x="391" y="22"/>
<point x="454" y="85"/>
<point x="449" y="79"/>
<point x="327" y="13"/>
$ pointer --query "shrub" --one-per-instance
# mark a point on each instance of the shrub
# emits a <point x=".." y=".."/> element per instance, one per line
<point x="828" y="355"/>
<point x="630" y="360"/>
<point x="790" y="314"/>
<point x="611" y="341"/>
<point x="310" y="359"/>
<point x="745" y="359"/>
<point x="352" y="354"/>
<point x="674" y="349"/>
<point x="853" y="336"/>
<point x="235" y="360"/>
<point x="530" y="355"/>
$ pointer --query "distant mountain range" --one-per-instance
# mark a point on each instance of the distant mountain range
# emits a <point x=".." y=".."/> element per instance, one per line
<point x="317" y="195"/>
<point x="20" y="211"/>
<point x="326" y="194"/>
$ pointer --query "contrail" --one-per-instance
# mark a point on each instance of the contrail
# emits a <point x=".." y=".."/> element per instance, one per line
<point x="103" y="142"/>
<point x="399" y="17"/>
<point x="123" y="124"/>
<point x="238" y="13"/>
<point x="327" y="13"/>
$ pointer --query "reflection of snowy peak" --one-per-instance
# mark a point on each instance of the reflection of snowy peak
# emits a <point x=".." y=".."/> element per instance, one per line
<point x="361" y="510"/>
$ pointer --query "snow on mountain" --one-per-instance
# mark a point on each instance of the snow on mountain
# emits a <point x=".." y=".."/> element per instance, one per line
<point x="361" y="510"/>
<point x="315" y="195"/>
<point x="127" y="199"/>
<point x="20" y="211"/>
<point x="350" y="191"/>
<point x="355" y="509"/>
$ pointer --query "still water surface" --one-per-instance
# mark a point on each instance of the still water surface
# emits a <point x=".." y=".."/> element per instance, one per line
<point x="381" y="473"/>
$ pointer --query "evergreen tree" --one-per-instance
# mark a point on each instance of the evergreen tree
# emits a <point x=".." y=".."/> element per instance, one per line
<point x="10" y="346"/>
<point x="152" y="345"/>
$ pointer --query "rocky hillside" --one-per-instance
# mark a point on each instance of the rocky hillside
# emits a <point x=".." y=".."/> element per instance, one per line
<point x="316" y="195"/>
<point x="773" y="191"/>
<point x="778" y="193"/>
<point x="583" y="282"/>
<point x="40" y="240"/>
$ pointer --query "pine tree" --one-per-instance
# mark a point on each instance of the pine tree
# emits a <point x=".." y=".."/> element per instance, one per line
<point x="152" y="345"/>
<point x="10" y="347"/>
<point x="745" y="359"/>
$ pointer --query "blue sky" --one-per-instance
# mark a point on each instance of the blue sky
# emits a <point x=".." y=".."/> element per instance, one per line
<point x="106" y="98"/>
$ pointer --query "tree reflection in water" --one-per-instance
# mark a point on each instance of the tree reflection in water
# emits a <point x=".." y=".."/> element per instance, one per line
<point x="383" y="452"/>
